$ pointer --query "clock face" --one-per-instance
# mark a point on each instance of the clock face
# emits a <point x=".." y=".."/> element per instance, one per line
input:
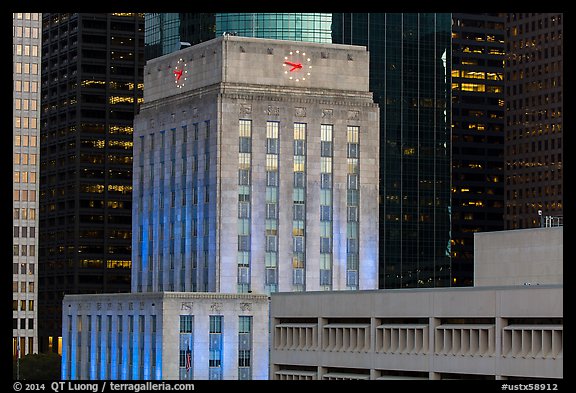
<point x="180" y="73"/>
<point x="297" y="66"/>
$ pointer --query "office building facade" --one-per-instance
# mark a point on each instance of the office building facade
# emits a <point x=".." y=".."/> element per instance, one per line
<point x="26" y="55"/>
<point x="410" y="63"/>
<point x="477" y="135"/>
<point x="92" y="75"/>
<point x="534" y="134"/>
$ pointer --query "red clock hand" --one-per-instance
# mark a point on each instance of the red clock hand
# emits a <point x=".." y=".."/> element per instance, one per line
<point x="178" y="74"/>
<point x="295" y="66"/>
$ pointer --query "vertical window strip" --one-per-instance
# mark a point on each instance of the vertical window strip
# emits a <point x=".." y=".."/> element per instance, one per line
<point x="299" y="207"/>
<point x="215" y="347"/>
<point x="245" y="347"/>
<point x="326" y="224"/>
<point x="186" y="355"/>
<point x="271" y="213"/>
<point x="352" y="205"/>
<point x="244" y="204"/>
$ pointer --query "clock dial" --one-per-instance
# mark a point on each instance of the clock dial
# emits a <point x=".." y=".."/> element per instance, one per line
<point x="180" y="73"/>
<point x="297" y="66"/>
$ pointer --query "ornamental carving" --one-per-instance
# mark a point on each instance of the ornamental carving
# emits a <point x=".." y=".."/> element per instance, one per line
<point x="327" y="112"/>
<point x="245" y="109"/>
<point x="246" y="306"/>
<point x="353" y="115"/>
<point x="273" y="110"/>
<point x="186" y="306"/>
<point x="300" y="112"/>
<point x="216" y="307"/>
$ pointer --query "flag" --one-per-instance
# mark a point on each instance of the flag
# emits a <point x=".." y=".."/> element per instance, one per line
<point x="188" y="359"/>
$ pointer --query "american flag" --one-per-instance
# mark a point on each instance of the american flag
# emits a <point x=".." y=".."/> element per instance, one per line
<point x="188" y="359"/>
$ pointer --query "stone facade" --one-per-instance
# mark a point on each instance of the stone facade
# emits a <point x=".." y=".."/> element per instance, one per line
<point x="231" y="79"/>
<point x="136" y="336"/>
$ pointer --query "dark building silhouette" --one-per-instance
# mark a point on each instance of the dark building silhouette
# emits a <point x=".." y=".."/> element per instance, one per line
<point x="477" y="135"/>
<point x="92" y="81"/>
<point x="533" y="96"/>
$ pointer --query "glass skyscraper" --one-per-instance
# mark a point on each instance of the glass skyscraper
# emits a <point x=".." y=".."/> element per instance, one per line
<point x="410" y="55"/>
<point x="410" y="67"/>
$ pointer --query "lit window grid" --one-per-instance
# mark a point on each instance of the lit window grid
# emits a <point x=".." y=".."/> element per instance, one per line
<point x="26" y="63"/>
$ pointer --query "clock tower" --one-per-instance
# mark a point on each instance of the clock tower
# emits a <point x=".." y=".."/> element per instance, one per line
<point x="273" y="149"/>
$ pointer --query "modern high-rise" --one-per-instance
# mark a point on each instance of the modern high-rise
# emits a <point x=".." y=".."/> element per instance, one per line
<point x="26" y="52"/>
<point x="533" y="95"/>
<point x="477" y="135"/>
<point x="410" y="69"/>
<point x="92" y="82"/>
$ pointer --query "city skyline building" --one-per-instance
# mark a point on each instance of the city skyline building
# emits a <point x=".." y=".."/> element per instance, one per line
<point x="297" y="204"/>
<point x="92" y="77"/>
<point x="410" y="68"/>
<point x="247" y="181"/>
<point x="477" y="135"/>
<point x="534" y="134"/>
<point x="26" y="55"/>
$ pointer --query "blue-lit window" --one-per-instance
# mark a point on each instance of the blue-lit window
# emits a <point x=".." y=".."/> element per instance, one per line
<point x="186" y="347"/>
<point x="245" y="347"/>
<point x="215" y="347"/>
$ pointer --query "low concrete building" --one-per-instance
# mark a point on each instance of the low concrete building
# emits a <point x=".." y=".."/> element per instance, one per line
<point x="533" y="256"/>
<point x="439" y="333"/>
<point x="167" y="335"/>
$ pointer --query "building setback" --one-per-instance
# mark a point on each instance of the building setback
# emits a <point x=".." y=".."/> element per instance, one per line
<point x="92" y="74"/>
